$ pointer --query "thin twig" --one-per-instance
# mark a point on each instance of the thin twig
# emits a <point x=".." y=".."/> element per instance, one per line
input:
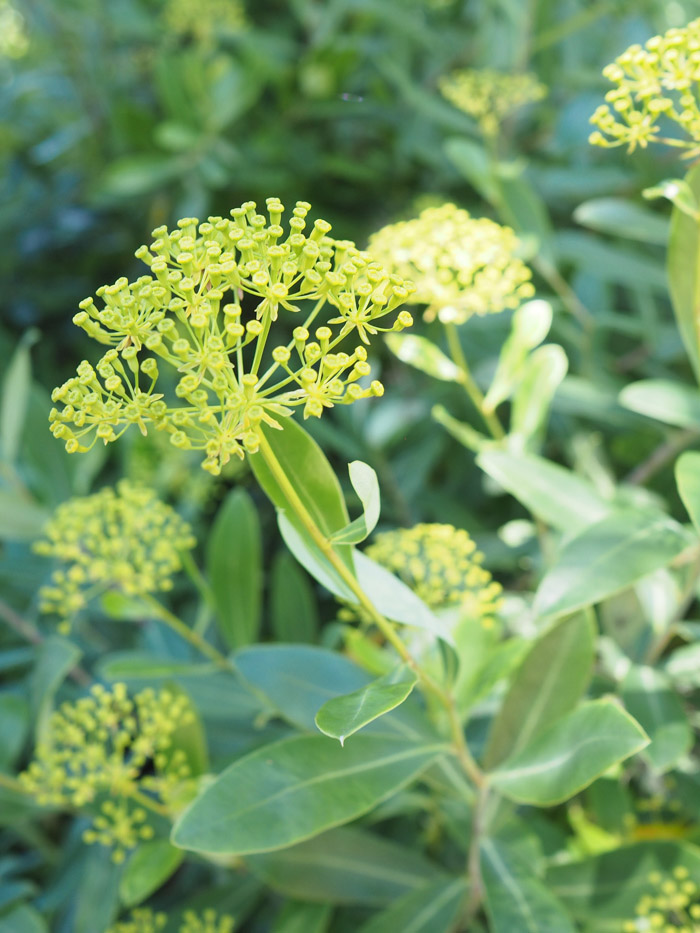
<point x="32" y="634"/>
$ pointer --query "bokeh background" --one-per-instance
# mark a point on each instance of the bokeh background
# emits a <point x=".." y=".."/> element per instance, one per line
<point x="118" y="116"/>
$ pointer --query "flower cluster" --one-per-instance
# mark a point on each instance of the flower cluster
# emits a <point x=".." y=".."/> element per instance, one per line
<point x="144" y="920"/>
<point x="659" y="80"/>
<point x="205" y="20"/>
<point x="441" y="564"/>
<point x="124" y="539"/>
<point x="490" y="96"/>
<point x="461" y="265"/>
<point x="95" y="751"/>
<point x="672" y="907"/>
<point x="232" y="373"/>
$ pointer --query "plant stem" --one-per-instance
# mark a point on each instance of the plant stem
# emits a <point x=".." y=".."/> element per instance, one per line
<point x="471" y="388"/>
<point x="474" y="855"/>
<point x="184" y="631"/>
<point x="383" y="624"/>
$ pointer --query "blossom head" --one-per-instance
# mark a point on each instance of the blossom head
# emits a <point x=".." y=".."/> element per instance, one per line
<point x="672" y="905"/>
<point x="441" y="564"/>
<point x="205" y="20"/>
<point x="461" y="265"/>
<point x="144" y="920"/>
<point x="490" y="96"/>
<point x="122" y="539"/>
<point x="234" y="371"/>
<point x="651" y="82"/>
<point x="95" y="751"/>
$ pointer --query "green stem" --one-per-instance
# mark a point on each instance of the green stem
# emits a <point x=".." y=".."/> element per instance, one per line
<point x="148" y="803"/>
<point x="472" y="389"/>
<point x="194" y="638"/>
<point x="383" y="624"/>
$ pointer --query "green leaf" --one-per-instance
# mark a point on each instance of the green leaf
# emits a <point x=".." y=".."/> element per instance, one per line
<point x="432" y="908"/>
<point x="14" y="397"/>
<point x="624" y="218"/>
<point x="234" y="569"/>
<point x="678" y="192"/>
<point x="683" y="666"/>
<point x="137" y="175"/>
<point x="666" y="401"/>
<point x="296" y="680"/>
<point x="515" y="898"/>
<point x="14" y="728"/>
<point x="529" y="327"/>
<point x="570" y="754"/>
<point x="313" y="479"/>
<point x="293" y="608"/>
<point x="523" y="208"/>
<point x="312" y="559"/>
<point x="148" y="868"/>
<point x="550" y="681"/>
<point x="364" y="482"/>
<point x="608" y="887"/>
<point x="684" y="271"/>
<point x="424" y="355"/>
<point x="125" y="608"/>
<point x="20" y="519"/>
<point x="345" y="866"/>
<point x="688" y="481"/>
<point x="297" y="917"/>
<point x="472" y="161"/>
<point x="23" y="919"/>
<point x="395" y="600"/>
<point x="649" y="697"/>
<point x="55" y="659"/>
<point x="130" y="665"/>
<point x="608" y="557"/>
<point x="542" y="376"/>
<point x="297" y="788"/>
<point x="552" y="493"/>
<point x="344" y="715"/>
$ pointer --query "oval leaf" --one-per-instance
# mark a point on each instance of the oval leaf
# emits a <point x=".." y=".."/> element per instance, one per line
<point x="570" y="755"/>
<point x="297" y="788"/>
<point x="551" y="680"/>
<point x="515" y="898"/>
<point x="344" y="715"/>
<point x="234" y="569"/>
<point x="422" y="354"/>
<point x="666" y="401"/>
<point x="365" y="483"/>
<point x="684" y="271"/>
<point x="148" y="868"/>
<point x="624" y="218"/>
<point x="688" y="482"/>
<point x="608" y="557"/>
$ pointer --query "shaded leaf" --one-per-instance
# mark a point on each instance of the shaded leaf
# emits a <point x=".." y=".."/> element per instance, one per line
<point x="670" y="402"/>
<point x="549" y="683"/>
<point x="683" y="269"/>
<point x="649" y="697"/>
<point x="293" y="608"/>
<point x="624" y="218"/>
<point x="432" y="908"/>
<point x="424" y="355"/>
<point x="234" y="569"/>
<point x="148" y="868"/>
<point x="295" y="789"/>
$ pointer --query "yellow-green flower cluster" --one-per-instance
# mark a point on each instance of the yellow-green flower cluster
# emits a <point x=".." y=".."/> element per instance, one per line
<point x="490" y="96"/>
<point x="461" y="265"/>
<point x="672" y="908"/>
<point x="95" y="751"/>
<point x="205" y="20"/>
<point x="124" y="539"/>
<point x="441" y="564"/>
<point x="209" y="311"/>
<point x="144" y="920"/>
<point x="658" y="80"/>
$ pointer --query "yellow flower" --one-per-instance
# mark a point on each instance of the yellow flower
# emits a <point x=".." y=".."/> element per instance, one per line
<point x="232" y="376"/>
<point x="141" y="920"/>
<point x="98" y="747"/>
<point x="441" y="564"/>
<point x="205" y="20"/>
<point x="124" y="539"/>
<point x="144" y="920"/>
<point x="490" y="96"/>
<point x="460" y="265"/>
<point x="672" y="905"/>
<point x="657" y="80"/>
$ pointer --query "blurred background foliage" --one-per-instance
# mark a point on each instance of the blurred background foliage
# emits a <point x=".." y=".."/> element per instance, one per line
<point x="118" y="116"/>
